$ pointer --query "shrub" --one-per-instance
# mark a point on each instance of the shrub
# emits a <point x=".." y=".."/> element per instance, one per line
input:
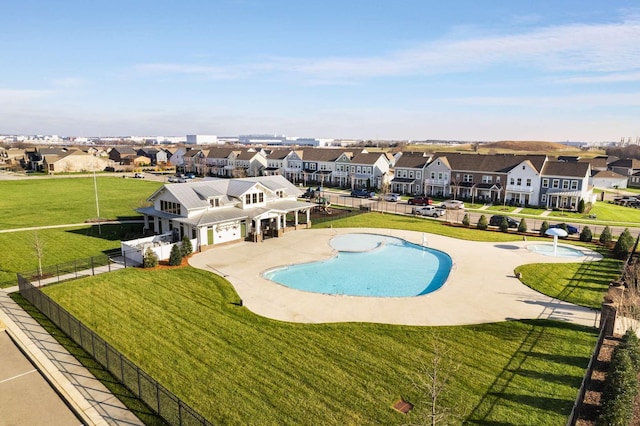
<point x="621" y="387"/>
<point x="605" y="236"/>
<point x="544" y="227"/>
<point x="483" y="223"/>
<point x="522" y="227"/>
<point x="623" y="245"/>
<point x="186" y="247"/>
<point x="586" y="235"/>
<point x="581" y="206"/>
<point x="175" y="258"/>
<point x="465" y="220"/>
<point x="150" y="260"/>
<point x="504" y="225"/>
<point x="631" y="344"/>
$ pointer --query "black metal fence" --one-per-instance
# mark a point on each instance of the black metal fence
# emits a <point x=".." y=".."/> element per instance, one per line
<point x="166" y="404"/>
<point x="75" y="269"/>
<point x="577" y="405"/>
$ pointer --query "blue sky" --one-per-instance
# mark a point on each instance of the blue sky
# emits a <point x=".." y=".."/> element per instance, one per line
<point x="459" y="70"/>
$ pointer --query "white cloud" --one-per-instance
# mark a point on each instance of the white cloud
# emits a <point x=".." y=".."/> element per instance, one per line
<point x="606" y="47"/>
<point x="9" y="96"/>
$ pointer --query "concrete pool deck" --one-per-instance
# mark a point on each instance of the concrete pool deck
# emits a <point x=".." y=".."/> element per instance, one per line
<point x="481" y="288"/>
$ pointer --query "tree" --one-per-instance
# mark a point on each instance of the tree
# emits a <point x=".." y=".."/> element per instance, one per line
<point x="623" y="244"/>
<point x="544" y="227"/>
<point x="504" y="225"/>
<point x="175" y="258"/>
<point x="605" y="236"/>
<point x="150" y="259"/>
<point x="186" y="247"/>
<point x="38" y="247"/>
<point x="432" y="383"/>
<point x="465" y="220"/>
<point x="581" y="206"/>
<point x="522" y="227"/>
<point x="586" y="235"/>
<point x="483" y="223"/>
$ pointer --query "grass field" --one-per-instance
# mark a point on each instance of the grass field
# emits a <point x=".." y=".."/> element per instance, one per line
<point x="237" y="368"/>
<point x="43" y="202"/>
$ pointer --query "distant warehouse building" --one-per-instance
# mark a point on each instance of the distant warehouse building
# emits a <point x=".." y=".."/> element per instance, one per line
<point x="202" y="139"/>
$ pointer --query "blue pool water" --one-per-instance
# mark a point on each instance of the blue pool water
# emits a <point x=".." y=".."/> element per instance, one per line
<point x="560" y="251"/>
<point x="370" y="265"/>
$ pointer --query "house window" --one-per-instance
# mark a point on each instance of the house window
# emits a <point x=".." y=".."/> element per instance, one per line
<point x="280" y="194"/>
<point x="255" y="198"/>
<point x="545" y="183"/>
<point x="487" y="179"/>
<point x="410" y="175"/>
<point x="417" y="175"/>
<point x="353" y="169"/>
<point x="247" y="199"/>
<point x="467" y="178"/>
<point x="433" y="175"/>
<point x="512" y="181"/>
<point x="574" y="184"/>
<point x="565" y="184"/>
<point x="529" y="182"/>
<point x="556" y="183"/>
<point x="519" y="181"/>
<point x="169" y="207"/>
<point x="440" y="175"/>
<point x="215" y="202"/>
<point x="261" y="197"/>
<point x="544" y="198"/>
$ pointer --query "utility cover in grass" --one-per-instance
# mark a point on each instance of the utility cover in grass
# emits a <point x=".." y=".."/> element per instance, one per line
<point x="403" y="406"/>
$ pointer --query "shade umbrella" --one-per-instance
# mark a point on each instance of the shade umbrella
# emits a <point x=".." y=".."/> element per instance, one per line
<point x="556" y="232"/>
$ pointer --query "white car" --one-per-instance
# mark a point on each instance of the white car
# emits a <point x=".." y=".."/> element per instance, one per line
<point x="392" y="197"/>
<point x="433" y="211"/>
<point x="452" y="204"/>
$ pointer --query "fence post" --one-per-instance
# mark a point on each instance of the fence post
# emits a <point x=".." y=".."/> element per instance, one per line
<point x="93" y="272"/>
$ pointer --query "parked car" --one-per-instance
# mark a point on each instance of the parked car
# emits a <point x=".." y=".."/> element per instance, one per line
<point x="139" y="175"/>
<point x="392" y="197"/>
<point x="496" y="220"/>
<point x="433" y="211"/>
<point x="362" y="193"/>
<point x="190" y="176"/>
<point x="420" y="201"/>
<point x="569" y="228"/>
<point x="177" y="179"/>
<point x="452" y="204"/>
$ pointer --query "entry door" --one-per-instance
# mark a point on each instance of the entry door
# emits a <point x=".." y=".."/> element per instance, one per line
<point x="210" y="235"/>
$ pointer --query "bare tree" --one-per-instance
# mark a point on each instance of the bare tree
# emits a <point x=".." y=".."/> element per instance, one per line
<point x="432" y="382"/>
<point x="38" y="247"/>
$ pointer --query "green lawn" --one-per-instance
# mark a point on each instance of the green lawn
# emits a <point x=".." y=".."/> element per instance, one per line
<point x="237" y="368"/>
<point x="42" y="202"/>
<point x="59" y="245"/>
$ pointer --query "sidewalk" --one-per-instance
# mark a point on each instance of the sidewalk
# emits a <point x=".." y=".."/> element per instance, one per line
<point x="87" y="396"/>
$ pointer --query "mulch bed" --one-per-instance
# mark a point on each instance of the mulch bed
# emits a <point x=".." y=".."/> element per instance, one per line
<point x="591" y="405"/>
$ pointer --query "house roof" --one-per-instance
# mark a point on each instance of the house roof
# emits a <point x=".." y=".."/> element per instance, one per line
<point x="324" y="154"/>
<point x="561" y="168"/>
<point x="629" y="163"/>
<point x="498" y="163"/>
<point x="412" y="161"/>
<point x="607" y="174"/>
<point x="368" y="158"/>
<point x="195" y="195"/>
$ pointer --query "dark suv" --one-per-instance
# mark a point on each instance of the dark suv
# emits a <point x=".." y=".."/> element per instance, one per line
<point x="420" y="201"/>
<point x="496" y="220"/>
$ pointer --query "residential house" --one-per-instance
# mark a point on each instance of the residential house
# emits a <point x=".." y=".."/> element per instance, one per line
<point x="248" y="162"/>
<point x="565" y="184"/>
<point x="74" y="161"/>
<point x="370" y="170"/>
<point x="486" y="178"/>
<point x="215" y="211"/>
<point x="625" y="166"/>
<point x="606" y="179"/>
<point x="195" y="161"/>
<point x="122" y="154"/>
<point x="277" y="161"/>
<point x="218" y="160"/>
<point x="320" y="166"/>
<point x="177" y="156"/>
<point x="410" y="173"/>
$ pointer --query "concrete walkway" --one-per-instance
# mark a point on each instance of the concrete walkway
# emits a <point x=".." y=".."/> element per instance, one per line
<point x="86" y="395"/>
<point x="481" y="288"/>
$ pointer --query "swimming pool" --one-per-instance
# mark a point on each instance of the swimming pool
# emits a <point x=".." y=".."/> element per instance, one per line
<point x="370" y="265"/>
<point x="560" y="251"/>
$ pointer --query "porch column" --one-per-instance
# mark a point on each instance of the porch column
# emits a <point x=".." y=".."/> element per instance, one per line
<point x="257" y="236"/>
<point x="308" y="218"/>
<point x="295" y="219"/>
<point x="279" y="227"/>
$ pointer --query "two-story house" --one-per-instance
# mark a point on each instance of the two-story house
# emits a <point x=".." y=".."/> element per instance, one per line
<point x="370" y="170"/>
<point x="215" y="211"/>
<point x="410" y="173"/>
<point x="218" y="160"/>
<point x="564" y="184"/>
